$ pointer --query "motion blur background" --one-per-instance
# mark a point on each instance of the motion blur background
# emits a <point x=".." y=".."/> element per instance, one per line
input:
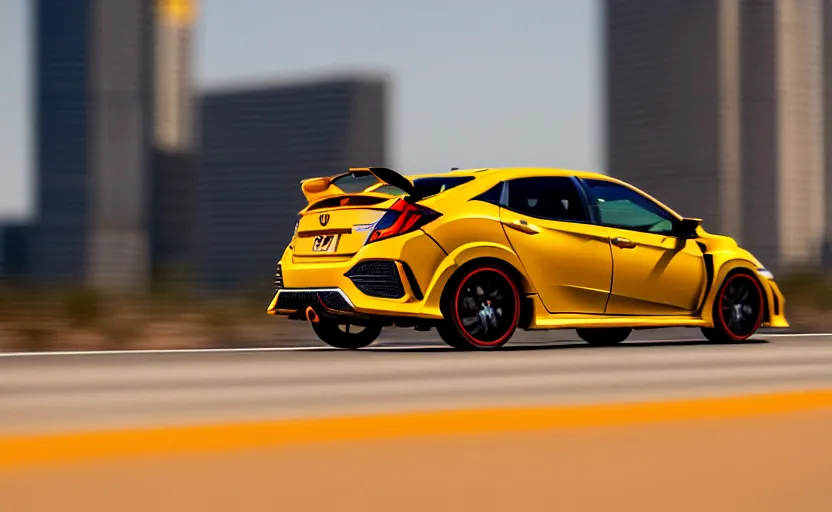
<point x="153" y="149"/>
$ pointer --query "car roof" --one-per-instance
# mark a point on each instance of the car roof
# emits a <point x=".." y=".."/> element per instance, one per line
<point x="508" y="171"/>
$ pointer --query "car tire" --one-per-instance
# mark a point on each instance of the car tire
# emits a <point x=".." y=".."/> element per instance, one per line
<point x="481" y="309"/>
<point x="604" y="336"/>
<point x="738" y="309"/>
<point x="330" y="333"/>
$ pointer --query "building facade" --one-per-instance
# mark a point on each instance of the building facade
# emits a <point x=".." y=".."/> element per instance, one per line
<point x="717" y="108"/>
<point x="93" y="81"/>
<point x="257" y="144"/>
<point x="114" y="157"/>
<point x="173" y="178"/>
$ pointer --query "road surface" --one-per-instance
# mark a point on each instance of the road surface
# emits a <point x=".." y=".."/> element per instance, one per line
<point x="766" y="463"/>
<point x="68" y="392"/>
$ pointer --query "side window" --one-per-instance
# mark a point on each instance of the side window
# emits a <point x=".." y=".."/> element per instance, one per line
<point x="554" y="198"/>
<point x="620" y="207"/>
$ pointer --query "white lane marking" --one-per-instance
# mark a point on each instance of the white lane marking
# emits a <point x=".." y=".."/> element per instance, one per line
<point x="795" y="335"/>
<point x="196" y="351"/>
<point x="159" y="351"/>
<point x="314" y="348"/>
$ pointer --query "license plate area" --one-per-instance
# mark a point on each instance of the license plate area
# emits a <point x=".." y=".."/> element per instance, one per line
<point x="325" y="243"/>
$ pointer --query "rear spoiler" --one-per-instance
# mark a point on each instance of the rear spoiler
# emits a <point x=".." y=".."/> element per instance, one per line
<point x="317" y="188"/>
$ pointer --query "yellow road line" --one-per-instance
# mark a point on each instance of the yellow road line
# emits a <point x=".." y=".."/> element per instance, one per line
<point x="34" y="450"/>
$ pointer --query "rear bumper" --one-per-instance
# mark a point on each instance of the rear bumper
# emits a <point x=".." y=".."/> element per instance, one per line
<point x="292" y="300"/>
<point x="389" y="278"/>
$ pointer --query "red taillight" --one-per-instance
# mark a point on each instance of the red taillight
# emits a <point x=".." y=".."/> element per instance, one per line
<point x="401" y="218"/>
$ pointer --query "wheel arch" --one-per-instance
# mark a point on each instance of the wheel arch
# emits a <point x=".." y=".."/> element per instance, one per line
<point x="723" y="270"/>
<point x="468" y="257"/>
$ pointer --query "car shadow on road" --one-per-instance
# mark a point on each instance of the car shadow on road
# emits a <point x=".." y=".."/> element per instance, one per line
<point x="570" y="345"/>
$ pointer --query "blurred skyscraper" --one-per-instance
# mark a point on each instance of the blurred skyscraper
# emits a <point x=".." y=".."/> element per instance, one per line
<point x="257" y="144"/>
<point x="174" y="159"/>
<point x="100" y="185"/>
<point x="92" y="77"/>
<point x="717" y="108"/>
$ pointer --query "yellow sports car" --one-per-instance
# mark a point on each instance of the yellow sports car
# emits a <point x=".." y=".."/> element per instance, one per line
<point x="479" y="253"/>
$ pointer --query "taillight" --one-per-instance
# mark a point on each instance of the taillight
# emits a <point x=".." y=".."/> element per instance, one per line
<point x="401" y="218"/>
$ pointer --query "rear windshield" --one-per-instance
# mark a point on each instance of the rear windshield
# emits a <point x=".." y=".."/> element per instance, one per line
<point x="426" y="187"/>
<point x="351" y="184"/>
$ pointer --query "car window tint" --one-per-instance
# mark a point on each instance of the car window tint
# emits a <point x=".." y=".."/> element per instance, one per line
<point x="351" y="184"/>
<point x="390" y="189"/>
<point x="426" y="187"/>
<point x="554" y="198"/>
<point x="621" y="207"/>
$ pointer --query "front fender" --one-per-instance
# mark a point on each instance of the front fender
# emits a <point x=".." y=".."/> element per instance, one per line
<point x="727" y="263"/>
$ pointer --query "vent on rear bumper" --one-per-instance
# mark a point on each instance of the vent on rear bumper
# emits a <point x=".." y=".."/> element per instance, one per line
<point x="377" y="278"/>
<point x="296" y="300"/>
<point x="278" y="277"/>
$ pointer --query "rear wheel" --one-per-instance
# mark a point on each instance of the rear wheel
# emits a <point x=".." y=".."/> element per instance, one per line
<point x="482" y="309"/>
<point x="606" y="336"/>
<point x="738" y="309"/>
<point x="346" y="336"/>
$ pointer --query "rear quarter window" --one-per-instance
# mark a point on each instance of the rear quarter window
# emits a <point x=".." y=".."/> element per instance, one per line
<point x="426" y="187"/>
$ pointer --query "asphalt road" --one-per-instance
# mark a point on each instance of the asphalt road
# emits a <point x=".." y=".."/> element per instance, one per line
<point x="64" y="392"/>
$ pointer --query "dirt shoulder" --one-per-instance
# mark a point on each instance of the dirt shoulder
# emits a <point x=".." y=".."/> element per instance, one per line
<point x="776" y="463"/>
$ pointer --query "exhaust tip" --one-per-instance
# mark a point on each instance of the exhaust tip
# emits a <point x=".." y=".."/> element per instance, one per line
<point x="312" y="316"/>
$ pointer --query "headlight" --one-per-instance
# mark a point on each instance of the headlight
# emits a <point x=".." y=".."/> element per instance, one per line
<point x="765" y="273"/>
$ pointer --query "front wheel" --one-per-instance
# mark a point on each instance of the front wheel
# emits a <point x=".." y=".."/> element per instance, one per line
<point x="482" y="309"/>
<point x="346" y="336"/>
<point x="738" y="310"/>
<point x="604" y="336"/>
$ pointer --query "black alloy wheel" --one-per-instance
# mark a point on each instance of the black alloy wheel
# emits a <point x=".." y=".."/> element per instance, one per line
<point x="345" y="336"/>
<point x="738" y="309"/>
<point x="483" y="310"/>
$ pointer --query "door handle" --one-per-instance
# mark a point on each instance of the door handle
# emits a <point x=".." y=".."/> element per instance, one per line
<point x="522" y="226"/>
<point x="624" y="243"/>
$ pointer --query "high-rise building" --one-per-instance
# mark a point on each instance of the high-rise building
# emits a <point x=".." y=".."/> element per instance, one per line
<point x="174" y="158"/>
<point x="114" y="152"/>
<point x="257" y="144"/>
<point x="93" y="93"/>
<point x="782" y="130"/>
<point x="827" y="127"/>
<point x="13" y="247"/>
<point x="717" y="108"/>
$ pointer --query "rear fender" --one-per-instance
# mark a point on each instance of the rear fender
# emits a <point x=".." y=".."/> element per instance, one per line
<point x="464" y="255"/>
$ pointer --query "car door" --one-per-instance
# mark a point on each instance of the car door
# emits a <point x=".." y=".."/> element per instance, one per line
<point x="567" y="258"/>
<point x="654" y="271"/>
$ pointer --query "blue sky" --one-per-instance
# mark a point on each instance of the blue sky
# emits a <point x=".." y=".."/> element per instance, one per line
<point x="474" y="82"/>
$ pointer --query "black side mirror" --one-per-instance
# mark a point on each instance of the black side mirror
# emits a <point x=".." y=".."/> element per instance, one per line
<point x="687" y="228"/>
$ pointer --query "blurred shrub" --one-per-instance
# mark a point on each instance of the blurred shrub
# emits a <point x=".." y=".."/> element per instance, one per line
<point x="83" y="308"/>
<point x="169" y="316"/>
<point x="34" y="337"/>
<point x="807" y="287"/>
<point x="219" y="322"/>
